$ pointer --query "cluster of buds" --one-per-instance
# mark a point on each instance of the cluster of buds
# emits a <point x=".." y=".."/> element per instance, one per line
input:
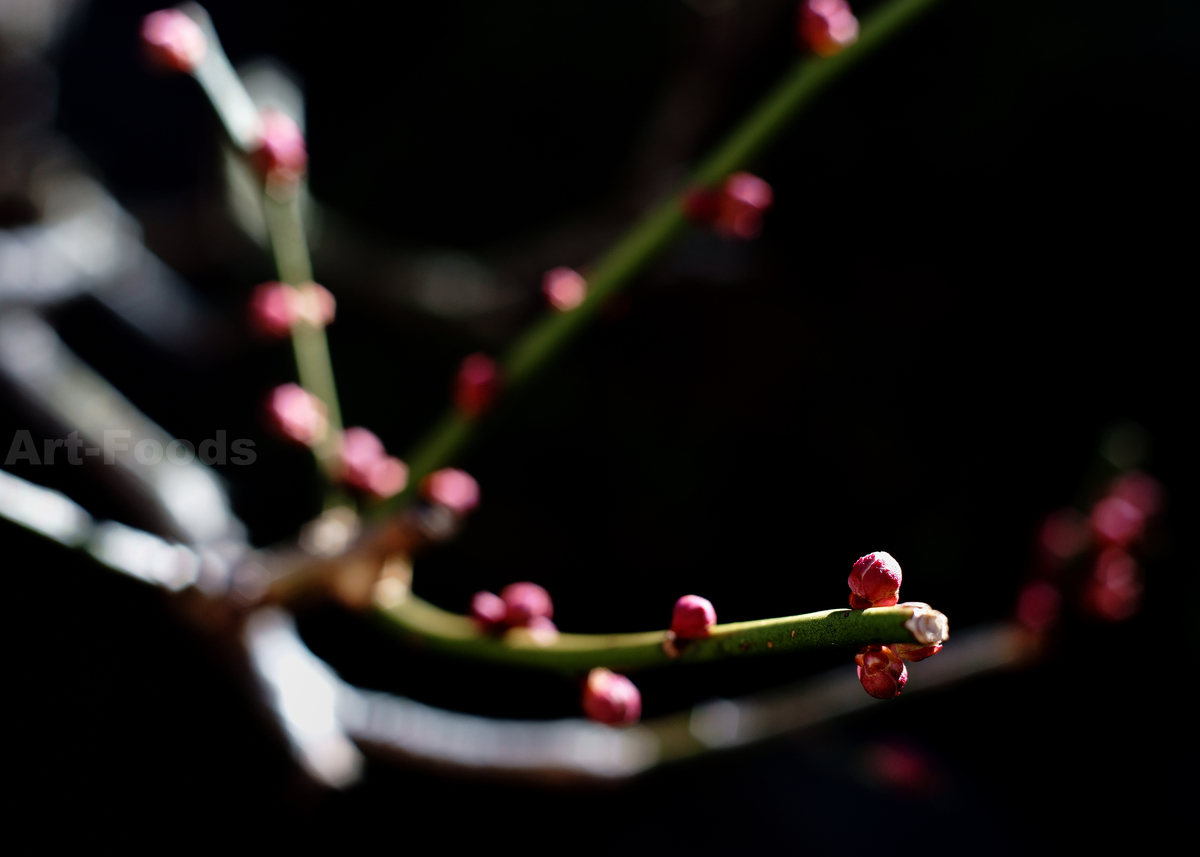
<point x="611" y="698"/>
<point x="826" y="26"/>
<point x="275" y="308"/>
<point x="363" y="464"/>
<point x="735" y="209"/>
<point x="519" y="605"/>
<point x="172" y="41"/>
<point x="476" y="385"/>
<point x="564" y="289"/>
<point x="279" y="155"/>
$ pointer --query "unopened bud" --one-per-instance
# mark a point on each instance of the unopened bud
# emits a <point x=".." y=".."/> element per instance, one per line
<point x="364" y="464"/>
<point x="173" y="41"/>
<point x="1142" y="490"/>
<point x="297" y="414"/>
<point x="827" y="26"/>
<point x="1114" y="590"/>
<point x="564" y="289"/>
<point x="488" y="609"/>
<point x="455" y="489"/>
<point x="611" y="698"/>
<point x="875" y="581"/>
<point x="315" y="305"/>
<point x="881" y="671"/>
<point x="273" y="309"/>
<point x="1116" y="521"/>
<point x="524" y="602"/>
<point x="693" y="617"/>
<point x="736" y="210"/>
<point x="476" y="385"/>
<point x="280" y="154"/>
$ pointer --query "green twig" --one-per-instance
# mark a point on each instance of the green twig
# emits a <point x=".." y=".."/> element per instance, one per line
<point x="437" y="630"/>
<point x="655" y="231"/>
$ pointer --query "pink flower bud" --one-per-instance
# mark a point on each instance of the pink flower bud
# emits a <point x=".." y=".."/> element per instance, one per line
<point x="1038" y="605"/>
<point x="525" y="601"/>
<point x="611" y="698"/>
<point x="915" y="651"/>
<point x="1116" y="521"/>
<point x="881" y="671"/>
<point x="454" y="489"/>
<point x="315" y="305"/>
<point x="1114" y="591"/>
<point x="273" y="309"/>
<point x="1142" y="490"/>
<point x="827" y="26"/>
<point x="488" y="609"/>
<point x="564" y="289"/>
<point x="365" y="465"/>
<point x="476" y="385"/>
<point x="875" y="581"/>
<point x="297" y="414"/>
<point x="693" y="617"/>
<point x="735" y="210"/>
<point x="172" y="41"/>
<point x="280" y="154"/>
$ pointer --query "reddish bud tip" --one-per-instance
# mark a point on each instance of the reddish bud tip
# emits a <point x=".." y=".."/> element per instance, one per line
<point x="827" y="26"/>
<point x="564" y="289"/>
<point x="273" y="309"/>
<point x="364" y="464"/>
<point x="611" y="698"/>
<point x="476" y="385"/>
<point x="454" y="489"/>
<point x="488" y="609"/>
<point x="1114" y="591"/>
<point x="1038" y="606"/>
<point x="875" y="580"/>
<point x="297" y="415"/>
<point x="881" y="671"/>
<point x="915" y="651"/>
<point x="172" y="41"/>
<point x="525" y="602"/>
<point x="280" y="154"/>
<point x="1116" y="521"/>
<point x="693" y="617"/>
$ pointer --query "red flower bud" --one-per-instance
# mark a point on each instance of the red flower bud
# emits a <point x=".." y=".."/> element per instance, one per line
<point x="875" y="581"/>
<point x="693" y="617"/>
<point x="297" y="414"/>
<point x="172" y="41"/>
<point x="915" y="651"/>
<point x="1116" y="521"/>
<point x="881" y="671"/>
<point x="1038" y="605"/>
<point x="827" y="26"/>
<point x="454" y="489"/>
<point x="363" y="464"/>
<point x="736" y="210"/>
<point x="476" y="385"/>
<point x="564" y="289"/>
<point x="273" y="309"/>
<point x="488" y="609"/>
<point x="280" y="153"/>
<point x="526" y="601"/>
<point x="611" y="698"/>
<point x="1114" y="591"/>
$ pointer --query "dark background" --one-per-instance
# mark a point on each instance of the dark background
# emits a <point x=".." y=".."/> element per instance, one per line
<point x="974" y="269"/>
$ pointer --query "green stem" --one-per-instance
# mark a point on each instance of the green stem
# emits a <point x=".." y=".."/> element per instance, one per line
<point x="437" y="630"/>
<point x="543" y="341"/>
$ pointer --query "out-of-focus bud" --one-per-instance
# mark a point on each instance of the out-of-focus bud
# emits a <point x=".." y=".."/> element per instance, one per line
<point x="315" y="305"/>
<point x="525" y="602"/>
<point x="915" y="651"/>
<point x="488" y="609"/>
<point x="875" y="581"/>
<point x="297" y="414"/>
<point x="543" y="630"/>
<point x="1114" y="591"/>
<point x="476" y="385"/>
<point x="611" y="698"/>
<point x="827" y="26"/>
<point x="693" y="617"/>
<point x="173" y="41"/>
<point x="365" y="465"/>
<point x="1064" y="534"/>
<point x="881" y="671"/>
<point x="1039" y="605"/>
<point x="455" y="489"/>
<point x="273" y="309"/>
<point x="280" y="154"/>
<point x="564" y="289"/>
<point x="736" y="210"/>
<point x="1142" y="490"/>
<point x="1116" y="521"/>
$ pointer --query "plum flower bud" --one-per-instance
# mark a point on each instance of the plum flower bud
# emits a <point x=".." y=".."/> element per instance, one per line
<point x="736" y="210"/>
<point x="827" y="26"/>
<point x="172" y="41"/>
<point x="297" y="414"/>
<point x="611" y="698"/>
<point x="875" y="581"/>
<point x="1142" y="490"/>
<point x="364" y="464"/>
<point x="454" y="489"/>
<point x="280" y="154"/>
<point x="488" y="609"/>
<point x="881" y="671"/>
<point x="273" y="309"/>
<point x="693" y="617"/>
<point x="564" y="289"/>
<point x="315" y="305"/>
<point x="1116" y="521"/>
<point x="1114" y="591"/>
<point x="525" y="602"/>
<point x="476" y="385"/>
